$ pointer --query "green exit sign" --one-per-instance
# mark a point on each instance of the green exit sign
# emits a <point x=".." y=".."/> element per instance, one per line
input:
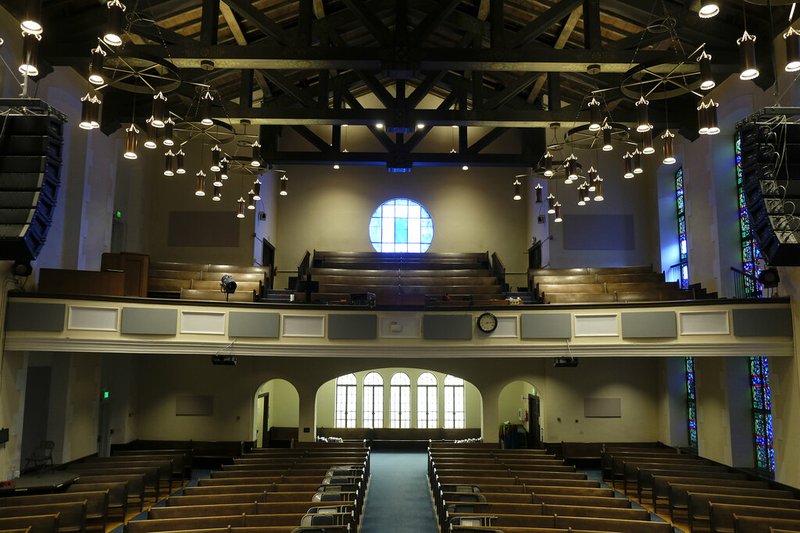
<point x="106" y="395"/>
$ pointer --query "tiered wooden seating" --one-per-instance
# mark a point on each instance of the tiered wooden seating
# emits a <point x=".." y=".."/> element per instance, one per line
<point x="272" y="490"/>
<point x="598" y="285"/>
<point x="200" y="281"/>
<point x="709" y="496"/>
<point x="404" y="279"/>
<point x="521" y="490"/>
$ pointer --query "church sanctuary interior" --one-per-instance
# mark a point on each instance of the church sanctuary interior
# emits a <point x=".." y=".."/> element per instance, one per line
<point x="500" y="266"/>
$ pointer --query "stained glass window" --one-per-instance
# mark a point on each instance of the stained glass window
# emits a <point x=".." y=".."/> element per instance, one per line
<point x="401" y="225"/>
<point x="427" y="401"/>
<point x="759" y="365"/>
<point x="751" y="255"/>
<point x="683" y="252"/>
<point x="691" y="402"/>
<point x="762" y="413"/>
<point x="373" y="400"/>
<point x="346" y="401"/>
<point x="454" y="416"/>
<point x="400" y="401"/>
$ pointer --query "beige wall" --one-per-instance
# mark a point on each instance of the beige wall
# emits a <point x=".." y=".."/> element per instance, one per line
<point x="284" y="406"/>
<point x="633" y="380"/>
<point x="330" y="210"/>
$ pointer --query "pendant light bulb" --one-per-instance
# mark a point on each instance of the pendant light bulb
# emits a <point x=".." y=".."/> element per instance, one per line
<point x="132" y="142"/>
<point x="643" y="123"/>
<point x="204" y="109"/>
<point x="557" y="213"/>
<point x="96" y="76"/>
<point x="595" y="116"/>
<point x="708" y="9"/>
<point x="255" y="161"/>
<point x="200" y="184"/>
<point x="747" y="56"/>
<point x="180" y="160"/>
<point x="116" y="13"/>
<point x="32" y="19"/>
<point x="257" y="190"/>
<point x="548" y="164"/>
<point x="706" y="78"/>
<point x="241" y="202"/>
<point x="30" y="54"/>
<point x="628" y="160"/>
<point x="668" y="148"/>
<point x="169" y="164"/>
<point x="607" y="130"/>
<point x="551" y="204"/>
<point x="284" y="184"/>
<point x="517" y="193"/>
<point x="169" y="130"/>
<point x="538" y="190"/>
<point x="792" y="38"/>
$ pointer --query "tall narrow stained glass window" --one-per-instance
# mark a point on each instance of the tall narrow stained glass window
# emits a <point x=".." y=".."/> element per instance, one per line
<point x="373" y="400"/>
<point x="346" y="401"/>
<point x="683" y="259"/>
<point x="400" y="401"/>
<point x="453" y="402"/>
<point x="691" y="402"/>
<point x="759" y="365"/>
<point x="401" y="225"/>
<point x="762" y="413"/>
<point x="427" y="401"/>
<point x="751" y="255"/>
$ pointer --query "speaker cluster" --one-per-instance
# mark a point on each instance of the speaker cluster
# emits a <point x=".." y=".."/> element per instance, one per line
<point x="770" y="166"/>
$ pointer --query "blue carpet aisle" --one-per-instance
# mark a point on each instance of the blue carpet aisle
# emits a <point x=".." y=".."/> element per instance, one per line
<point x="399" y="498"/>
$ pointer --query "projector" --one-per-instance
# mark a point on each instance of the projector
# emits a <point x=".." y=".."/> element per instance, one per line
<point x="226" y="360"/>
<point x="565" y="362"/>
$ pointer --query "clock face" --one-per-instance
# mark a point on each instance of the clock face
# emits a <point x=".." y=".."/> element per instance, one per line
<point x="487" y="322"/>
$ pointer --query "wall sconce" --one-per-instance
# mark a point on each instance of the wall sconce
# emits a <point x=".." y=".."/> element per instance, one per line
<point x="132" y="142"/>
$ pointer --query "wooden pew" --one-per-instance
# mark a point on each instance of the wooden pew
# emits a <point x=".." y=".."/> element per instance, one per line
<point x="96" y="502"/>
<point x="722" y="516"/>
<point x="117" y="494"/>
<point x="71" y="515"/>
<point x="32" y="524"/>
<point x="645" y="472"/>
<point x="552" y="499"/>
<point x="765" y="524"/>
<point x="701" y="505"/>
<point x="679" y="494"/>
<point x="661" y="483"/>
<point x="152" y="477"/>
<point x="135" y="483"/>
<point x="547" y="509"/>
<point x="165" y="464"/>
<point x="181" y="459"/>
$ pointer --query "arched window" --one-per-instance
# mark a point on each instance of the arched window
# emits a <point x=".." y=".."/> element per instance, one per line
<point x="400" y="410"/>
<point x="346" y="401"/>
<point x="427" y="401"/>
<point x="373" y="400"/>
<point x="401" y="225"/>
<point x="453" y="402"/>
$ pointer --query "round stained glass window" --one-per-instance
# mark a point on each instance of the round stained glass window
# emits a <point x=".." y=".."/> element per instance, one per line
<point x="401" y="225"/>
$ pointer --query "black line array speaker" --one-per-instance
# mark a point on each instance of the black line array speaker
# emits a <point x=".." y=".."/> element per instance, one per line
<point x="30" y="168"/>
<point x="770" y="159"/>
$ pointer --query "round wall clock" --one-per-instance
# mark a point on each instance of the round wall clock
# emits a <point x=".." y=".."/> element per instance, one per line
<point x="487" y="322"/>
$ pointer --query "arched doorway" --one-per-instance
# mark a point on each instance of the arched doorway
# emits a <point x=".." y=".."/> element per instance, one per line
<point x="276" y="414"/>
<point x="519" y="415"/>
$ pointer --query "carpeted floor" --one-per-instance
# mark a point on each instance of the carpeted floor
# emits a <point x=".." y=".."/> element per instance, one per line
<point x="398" y="499"/>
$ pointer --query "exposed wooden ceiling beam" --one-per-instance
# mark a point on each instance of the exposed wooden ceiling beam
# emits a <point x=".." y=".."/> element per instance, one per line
<point x="561" y="41"/>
